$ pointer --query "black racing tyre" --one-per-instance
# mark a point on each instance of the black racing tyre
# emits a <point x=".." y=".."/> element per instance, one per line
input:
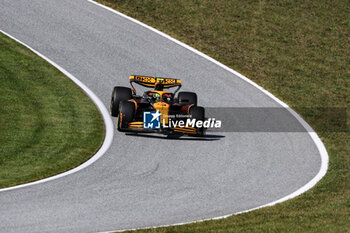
<point x="198" y="113"/>
<point x="187" y="97"/>
<point x="119" y="94"/>
<point x="126" y="114"/>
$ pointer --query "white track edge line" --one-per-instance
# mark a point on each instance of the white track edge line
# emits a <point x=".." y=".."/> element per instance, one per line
<point x="101" y="107"/>
<point x="320" y="146"/>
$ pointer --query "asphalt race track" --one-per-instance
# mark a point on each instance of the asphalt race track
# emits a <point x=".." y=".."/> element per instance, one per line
<point x="148" y="181"/>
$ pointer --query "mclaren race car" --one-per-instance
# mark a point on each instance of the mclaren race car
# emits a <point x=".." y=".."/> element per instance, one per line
<point x="157" y="110"/>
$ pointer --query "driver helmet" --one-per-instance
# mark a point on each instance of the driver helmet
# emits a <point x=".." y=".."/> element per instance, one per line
<point x="156" y="97"/>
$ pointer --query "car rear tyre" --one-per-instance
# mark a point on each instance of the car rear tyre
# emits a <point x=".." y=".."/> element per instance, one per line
<point x="119" y="94"/>
<point x="187" y="98"/>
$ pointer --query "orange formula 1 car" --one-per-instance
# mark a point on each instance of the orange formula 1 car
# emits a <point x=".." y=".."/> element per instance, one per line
<point x="157" y="110"/>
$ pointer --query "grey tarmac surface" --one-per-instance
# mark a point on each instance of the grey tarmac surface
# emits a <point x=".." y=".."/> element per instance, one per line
<point x="148" y="181"/>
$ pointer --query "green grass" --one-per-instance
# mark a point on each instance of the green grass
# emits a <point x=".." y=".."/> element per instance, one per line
<point x="300" y="52"/>
<point x="47" y="124"/>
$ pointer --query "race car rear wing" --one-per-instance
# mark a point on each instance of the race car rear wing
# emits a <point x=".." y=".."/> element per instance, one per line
<point x="148" y="81"/>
